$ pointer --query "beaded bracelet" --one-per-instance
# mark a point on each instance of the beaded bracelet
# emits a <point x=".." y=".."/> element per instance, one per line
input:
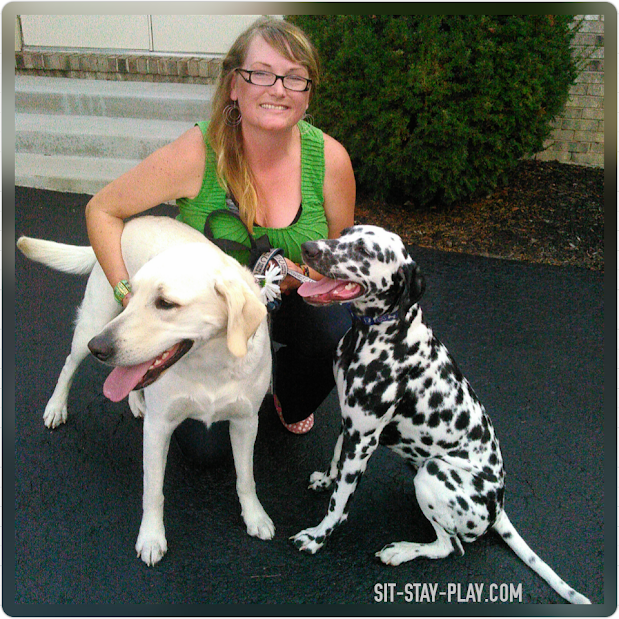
<point x="121" y="290"/>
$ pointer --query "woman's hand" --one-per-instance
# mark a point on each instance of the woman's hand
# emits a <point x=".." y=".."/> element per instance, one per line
<point x="289" y="283"/>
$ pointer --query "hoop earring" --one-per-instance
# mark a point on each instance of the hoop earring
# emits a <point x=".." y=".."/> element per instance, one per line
<point x="232" y="115"/>
<point x="309" y="119"/>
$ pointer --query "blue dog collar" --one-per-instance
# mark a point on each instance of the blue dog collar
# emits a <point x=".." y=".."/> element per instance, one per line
<point x="368" y="321"/>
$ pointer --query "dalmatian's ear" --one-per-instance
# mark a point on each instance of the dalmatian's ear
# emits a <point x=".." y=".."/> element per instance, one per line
<point x="414" y="286"/>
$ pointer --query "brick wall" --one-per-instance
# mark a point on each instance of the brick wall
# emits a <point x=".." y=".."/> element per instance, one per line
<point x="578" y="135"/>
<point x="128" y="67"/>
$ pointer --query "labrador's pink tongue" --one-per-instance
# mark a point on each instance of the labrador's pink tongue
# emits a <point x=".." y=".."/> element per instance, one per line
<point x="122" y="380"/>
<point x="322" y="286"/>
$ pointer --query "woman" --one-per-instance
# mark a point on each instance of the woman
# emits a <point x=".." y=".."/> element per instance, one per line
<point x="288" y="180"/>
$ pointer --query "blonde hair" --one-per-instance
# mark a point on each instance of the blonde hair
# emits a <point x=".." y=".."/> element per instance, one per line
<point x="233" y="171"/>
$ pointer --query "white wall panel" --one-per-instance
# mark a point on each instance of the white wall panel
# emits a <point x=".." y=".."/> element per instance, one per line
<point x="205" y="34"/>
<point x="87" y="31"/>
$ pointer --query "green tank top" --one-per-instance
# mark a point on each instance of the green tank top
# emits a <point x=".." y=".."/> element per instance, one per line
<point x="310" y="225"/>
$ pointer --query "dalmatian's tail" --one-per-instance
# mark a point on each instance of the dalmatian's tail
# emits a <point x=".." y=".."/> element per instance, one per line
<point x="511" y="537"/>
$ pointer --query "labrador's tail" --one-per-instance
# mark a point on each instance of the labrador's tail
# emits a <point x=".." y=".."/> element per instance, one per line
<point x="75" y="259"/>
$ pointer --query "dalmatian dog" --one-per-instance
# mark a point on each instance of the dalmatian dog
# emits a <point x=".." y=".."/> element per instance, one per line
<point x="398" y="386"/>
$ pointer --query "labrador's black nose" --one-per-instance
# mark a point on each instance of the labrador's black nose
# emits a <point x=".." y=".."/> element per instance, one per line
<point x="101" y="347"/>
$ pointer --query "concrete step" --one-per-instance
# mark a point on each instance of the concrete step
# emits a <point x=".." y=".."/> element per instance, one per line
<point x="93" y="136"/>
<point x="68" y="174"/>
<point x="77" y="135"/>
<point x="144" y="100"/>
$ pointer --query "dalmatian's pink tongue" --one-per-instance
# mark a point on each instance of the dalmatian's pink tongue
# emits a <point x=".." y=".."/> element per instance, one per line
<point x="327" y="290"/>
<point x="122" y="381"/>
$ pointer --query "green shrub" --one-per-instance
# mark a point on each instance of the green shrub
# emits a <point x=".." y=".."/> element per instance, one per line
<point x="437" y="109"/>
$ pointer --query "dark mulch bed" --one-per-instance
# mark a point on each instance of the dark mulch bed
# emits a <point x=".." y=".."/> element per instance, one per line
<point x="548" y="212"/>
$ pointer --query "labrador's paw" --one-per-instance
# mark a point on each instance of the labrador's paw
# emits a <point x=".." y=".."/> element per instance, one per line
<point x="151" y="547"/>
<point x="260" y="525"/>
<point x="54" y="415"/>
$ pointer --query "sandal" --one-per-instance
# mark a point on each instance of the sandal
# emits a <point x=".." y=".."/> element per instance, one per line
<point x="298" y="427"/>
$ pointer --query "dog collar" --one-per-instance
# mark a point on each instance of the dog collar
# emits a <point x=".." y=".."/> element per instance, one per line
<point x="368" y="321"/>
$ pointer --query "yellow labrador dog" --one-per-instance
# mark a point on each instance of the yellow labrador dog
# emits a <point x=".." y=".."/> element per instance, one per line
<point x="192" y="342"/>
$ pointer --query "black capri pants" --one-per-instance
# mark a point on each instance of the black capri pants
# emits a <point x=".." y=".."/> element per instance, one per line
<point x="306" y="338"/>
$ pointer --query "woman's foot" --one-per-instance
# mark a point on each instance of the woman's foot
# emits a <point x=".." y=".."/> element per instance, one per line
<point x="298" y="427"/>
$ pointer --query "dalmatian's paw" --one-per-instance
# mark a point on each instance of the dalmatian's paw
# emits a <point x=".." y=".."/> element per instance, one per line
<point x="319" y="481"/>
<point x="398" y="553"/>
<point x="309" y="540"/>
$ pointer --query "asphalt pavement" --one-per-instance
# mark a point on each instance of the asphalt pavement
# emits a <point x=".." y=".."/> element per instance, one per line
<point x="530" y="339"/>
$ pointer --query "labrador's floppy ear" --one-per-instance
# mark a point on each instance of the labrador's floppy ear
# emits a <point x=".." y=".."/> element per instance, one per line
<point x="414" y="286"/>
<point x="245" y="313"/>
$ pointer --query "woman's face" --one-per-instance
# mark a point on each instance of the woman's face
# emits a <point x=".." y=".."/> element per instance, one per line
<point x="273" y="108"/>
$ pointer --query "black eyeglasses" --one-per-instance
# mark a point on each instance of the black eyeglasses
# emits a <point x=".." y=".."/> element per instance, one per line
<point x="266" y="78"/>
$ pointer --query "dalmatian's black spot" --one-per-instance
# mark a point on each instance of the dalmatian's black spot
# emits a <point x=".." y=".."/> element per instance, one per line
<point x="463" y="503"/>
<point x="436" y="399"/>
<point x="488" y="474"/>
<point x="486" y="436"/>
<point x="432" y="468"/>
<point x="351" y="478"/>
<point x="415" y="372"/>
<point x="462" y="422"/>
<point x="475" y="433"/>
<point x="446" y="416"/>
<point x="459" y="453"/>
<point x="446" y="444"/>
<point x="434" y="419"/>
<point x="390" y="435"/>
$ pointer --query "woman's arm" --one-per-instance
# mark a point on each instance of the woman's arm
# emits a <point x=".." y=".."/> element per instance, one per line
<point x="171" y="172"/>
